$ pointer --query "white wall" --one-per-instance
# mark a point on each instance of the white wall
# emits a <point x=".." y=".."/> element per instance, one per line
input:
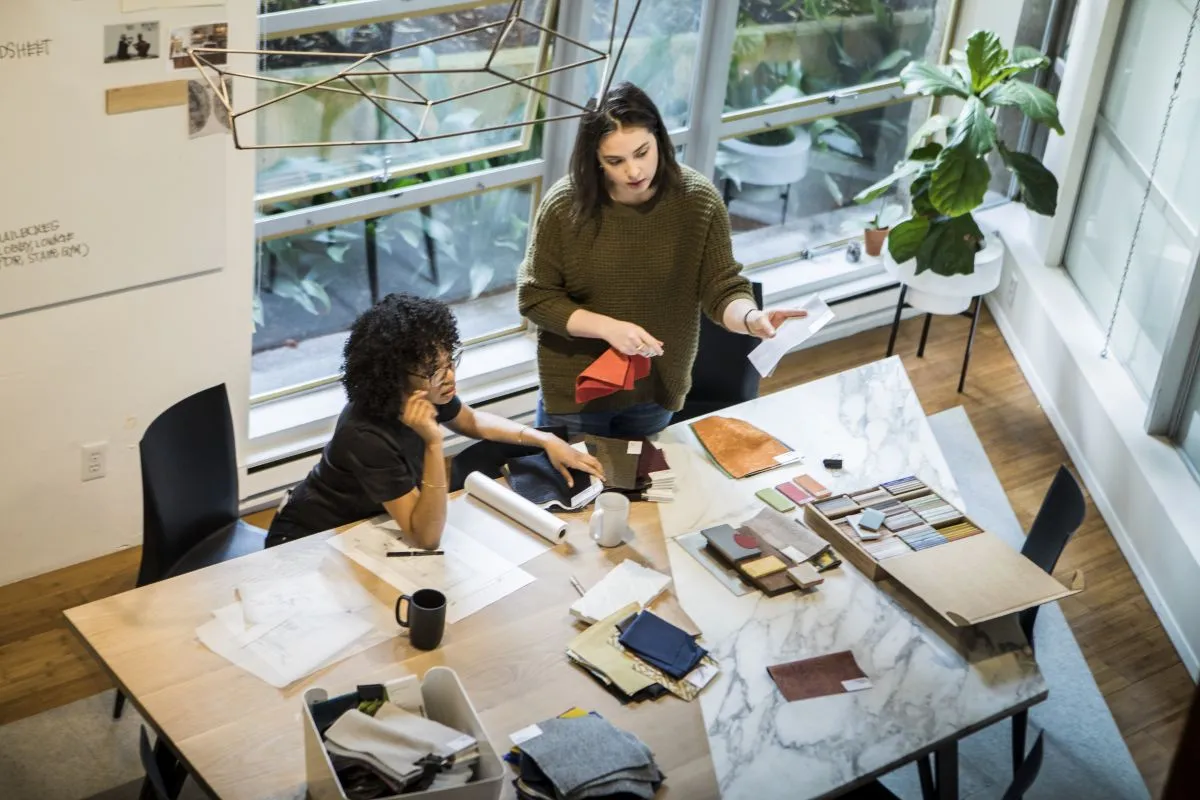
<point x="101" y="369"/>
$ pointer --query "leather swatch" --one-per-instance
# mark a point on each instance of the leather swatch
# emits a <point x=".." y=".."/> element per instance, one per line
<point x="816" y="677"/>
<point x="739" y="448"/>
<point x="610" y="373"/>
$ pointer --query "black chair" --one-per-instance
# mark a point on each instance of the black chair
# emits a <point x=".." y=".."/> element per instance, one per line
<point x="190" y="493"/>
<point x="1061" y="513"/>
<point x="1024" y="777"/>
<point x="489" y="457"/>
<point x="164" y="774"/>
<point x="722" y="375"/>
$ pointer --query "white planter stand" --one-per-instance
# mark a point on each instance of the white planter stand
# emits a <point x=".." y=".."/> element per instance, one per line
<point x="937" y="294"/>
<point x="761" y="165"/>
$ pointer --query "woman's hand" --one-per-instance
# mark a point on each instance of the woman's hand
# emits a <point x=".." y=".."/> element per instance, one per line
<point x="564" y="458"/>
<point x="420" y="415"/>
<point x="631" y="340"/>
<point x="763" y="324"/>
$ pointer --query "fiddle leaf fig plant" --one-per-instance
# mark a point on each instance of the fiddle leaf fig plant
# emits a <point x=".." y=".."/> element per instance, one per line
<point x="949" y="180"/>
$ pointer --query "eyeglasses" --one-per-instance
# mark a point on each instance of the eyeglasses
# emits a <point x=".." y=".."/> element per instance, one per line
<point x="441" y="375"/>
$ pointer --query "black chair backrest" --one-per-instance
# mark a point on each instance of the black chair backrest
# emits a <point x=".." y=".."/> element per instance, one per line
<point x="1061" y="514"/>
<point x="1028" y="771"/>
<point x="189" y="479"/>
<point x="722" y="376"/>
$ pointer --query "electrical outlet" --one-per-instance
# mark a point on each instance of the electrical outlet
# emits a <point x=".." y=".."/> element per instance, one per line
<point x="95" y="461"/>
<point x="1010" y="290"/>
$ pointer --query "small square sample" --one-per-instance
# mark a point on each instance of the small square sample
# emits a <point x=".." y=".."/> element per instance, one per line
<point x="768" y="565"/>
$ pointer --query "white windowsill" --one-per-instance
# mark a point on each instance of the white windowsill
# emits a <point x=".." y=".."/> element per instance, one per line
<point x="285" y="428"/>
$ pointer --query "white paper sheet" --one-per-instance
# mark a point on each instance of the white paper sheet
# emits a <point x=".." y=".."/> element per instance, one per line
<point x="790" y="334"/>
<point x="494" y="530"/>
<point x="626" y="583"/>
<point x="511" y="504"/>
<point x="471" y="575"/>
<point x="282" y="639"/>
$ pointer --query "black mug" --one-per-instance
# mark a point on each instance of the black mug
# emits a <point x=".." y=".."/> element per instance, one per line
<point x="425" y="617"/>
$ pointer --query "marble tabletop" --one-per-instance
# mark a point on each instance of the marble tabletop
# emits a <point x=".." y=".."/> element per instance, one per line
<point x="931" y="684"/>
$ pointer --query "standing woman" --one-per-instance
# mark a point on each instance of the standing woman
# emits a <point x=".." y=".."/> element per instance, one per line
<point x="626" y="252"/>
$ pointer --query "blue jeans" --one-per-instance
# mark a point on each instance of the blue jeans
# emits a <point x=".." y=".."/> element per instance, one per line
<point x="637" y="421"/>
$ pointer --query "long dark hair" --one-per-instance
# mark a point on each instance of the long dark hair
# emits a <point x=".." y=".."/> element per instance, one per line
<point x="623" y="106"/>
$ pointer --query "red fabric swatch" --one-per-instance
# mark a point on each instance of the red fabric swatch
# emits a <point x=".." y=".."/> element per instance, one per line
<point x="610" y="373"/>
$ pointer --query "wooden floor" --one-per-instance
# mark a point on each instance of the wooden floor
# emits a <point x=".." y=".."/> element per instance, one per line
<point x="1141" y="677"/>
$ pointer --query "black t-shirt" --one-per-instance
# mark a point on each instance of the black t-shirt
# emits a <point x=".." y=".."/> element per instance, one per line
<point x="366" y="463"/>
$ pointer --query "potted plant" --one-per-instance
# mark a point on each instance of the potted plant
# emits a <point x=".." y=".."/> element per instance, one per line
<point x="939" y="252"/>
<point x="879" y="225"/>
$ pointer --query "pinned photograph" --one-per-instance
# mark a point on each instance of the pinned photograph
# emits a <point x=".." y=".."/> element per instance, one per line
<point x="206" y="112"/>
<point x="136" y="41"/>
<point x="213" y="35"/>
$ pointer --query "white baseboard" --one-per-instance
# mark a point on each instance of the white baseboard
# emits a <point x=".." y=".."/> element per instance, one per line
<point x="1096" y="490"/>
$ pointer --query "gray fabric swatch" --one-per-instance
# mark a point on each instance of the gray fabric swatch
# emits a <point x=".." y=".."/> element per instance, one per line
<point x="576" y="753"/>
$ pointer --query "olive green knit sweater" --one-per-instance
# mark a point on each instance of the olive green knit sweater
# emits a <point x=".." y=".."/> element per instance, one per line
<point x="657" y="265"/>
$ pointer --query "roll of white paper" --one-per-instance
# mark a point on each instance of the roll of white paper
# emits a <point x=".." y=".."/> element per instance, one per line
<point x="517" y="508"/>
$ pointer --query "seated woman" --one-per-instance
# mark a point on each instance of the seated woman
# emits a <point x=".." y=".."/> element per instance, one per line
<point x="386" y="450"/>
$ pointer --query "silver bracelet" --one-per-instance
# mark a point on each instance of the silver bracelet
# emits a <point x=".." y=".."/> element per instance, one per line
<point x="746" y="317"/>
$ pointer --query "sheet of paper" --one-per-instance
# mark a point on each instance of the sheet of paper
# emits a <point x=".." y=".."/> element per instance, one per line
<point x="469" y="573"/>
<point x="494" y="530"/>
<point x="275" y="599"/>
<point x="628" y="582"/>
<point x="792" y="333"/>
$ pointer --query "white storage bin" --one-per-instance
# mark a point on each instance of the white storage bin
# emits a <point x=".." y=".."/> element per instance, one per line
<point x="446" y="702"/>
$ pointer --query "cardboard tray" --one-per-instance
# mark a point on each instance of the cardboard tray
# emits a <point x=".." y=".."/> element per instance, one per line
<point x="445" y="701"/>
<point x="966" y="582"/>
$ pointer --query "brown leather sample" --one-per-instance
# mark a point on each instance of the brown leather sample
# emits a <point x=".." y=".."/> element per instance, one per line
<point x="815" y="677"/>
<point x="739" y="448"/>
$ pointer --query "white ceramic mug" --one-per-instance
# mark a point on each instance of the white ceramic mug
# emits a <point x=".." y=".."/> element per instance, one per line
<point x="610" y="519"/>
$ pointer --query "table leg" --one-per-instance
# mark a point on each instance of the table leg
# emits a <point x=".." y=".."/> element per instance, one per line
<point x="946" y="767"/>
<point x="924" y="335"/>
<point x="896" y="321"/>
<point x="962" y="378"/>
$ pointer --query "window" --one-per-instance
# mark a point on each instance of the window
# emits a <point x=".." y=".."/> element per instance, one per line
<point x="813" y="113"/>
<point x="1127" y="131"/>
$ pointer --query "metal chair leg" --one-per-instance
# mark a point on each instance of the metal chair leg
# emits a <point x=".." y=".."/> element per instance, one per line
<point x="962" y="378"/>
<point x="118" y="704"/>
<point x="896" y="320"/>
<point x="924" y="335"/>
<point x="925" y="770"/>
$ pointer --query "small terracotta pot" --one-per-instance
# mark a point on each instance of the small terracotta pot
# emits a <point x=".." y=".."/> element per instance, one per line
<point x="873" y="238"/>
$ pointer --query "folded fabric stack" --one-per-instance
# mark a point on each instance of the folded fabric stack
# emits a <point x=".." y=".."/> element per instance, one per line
<point x="379" y="750"/>
<point x="655" y="478"/>
<point x="635" y="467"/>
<point x="538" y="481"/>
<point x="637" y="656"/>
<point x="585" y="757"/>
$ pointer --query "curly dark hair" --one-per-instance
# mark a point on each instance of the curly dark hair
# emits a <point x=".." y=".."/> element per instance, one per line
<point x="402" y="334"/>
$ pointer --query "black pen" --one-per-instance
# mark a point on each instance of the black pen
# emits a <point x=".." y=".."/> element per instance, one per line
<point x="402" y="553"/>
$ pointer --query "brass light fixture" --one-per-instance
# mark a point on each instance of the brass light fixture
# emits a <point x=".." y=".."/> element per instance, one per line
<point x="373" y="65"/>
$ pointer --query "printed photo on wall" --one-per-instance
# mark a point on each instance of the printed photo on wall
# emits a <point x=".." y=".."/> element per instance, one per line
<point x="214" y="35"/>
<point x="136" y="41"/>
<point x="206" y="112"/>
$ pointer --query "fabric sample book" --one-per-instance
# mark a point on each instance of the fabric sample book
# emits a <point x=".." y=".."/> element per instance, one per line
<point x="610" y="373"/>
<point x="620" y="466"/>
<point x="535" y="478"/>
<point x="739" y="448"/>
<point x="661" y="644"/>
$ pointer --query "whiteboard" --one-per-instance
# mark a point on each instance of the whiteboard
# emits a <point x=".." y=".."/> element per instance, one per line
<point x="95" y="203"/>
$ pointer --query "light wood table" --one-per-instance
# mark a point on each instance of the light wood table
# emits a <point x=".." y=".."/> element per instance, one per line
<point x="241" y="738"/>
